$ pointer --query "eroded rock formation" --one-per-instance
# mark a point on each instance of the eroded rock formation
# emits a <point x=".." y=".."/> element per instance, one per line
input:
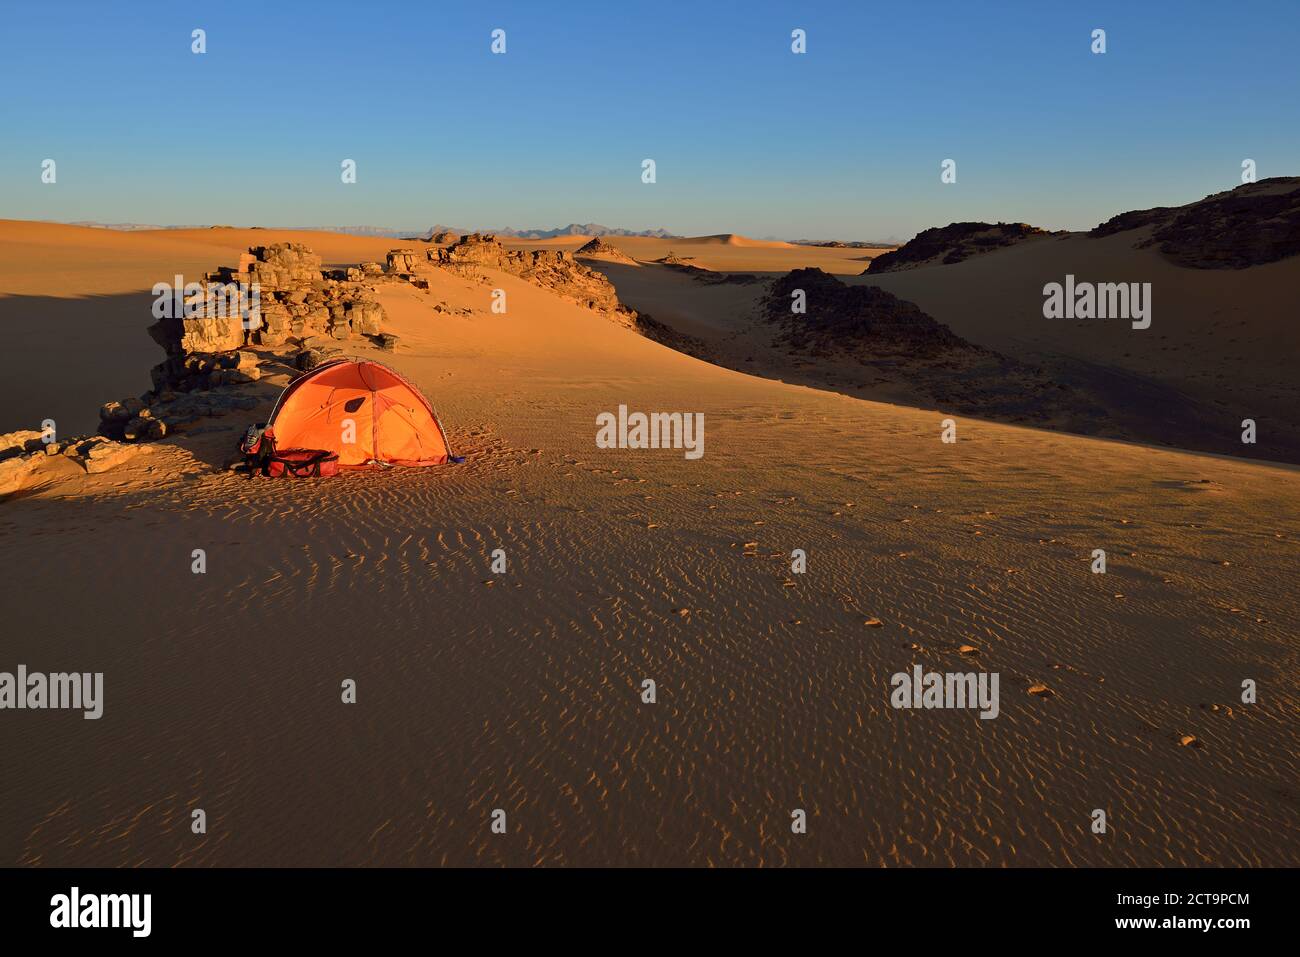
<point x="608" y="252"/>
<point x="551" y="269"/>
<point x="219" y="336"/>
<point x="288" y="295"/>
<point x="905" y="348"/>
<point x="953" y="243"/>
<point x="1255" y="223"/>
<point x="842" y="315"/>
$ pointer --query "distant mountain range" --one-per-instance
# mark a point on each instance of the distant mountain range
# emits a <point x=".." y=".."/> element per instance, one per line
<point x="351" y="230"/>
<point x="573" y="229"/>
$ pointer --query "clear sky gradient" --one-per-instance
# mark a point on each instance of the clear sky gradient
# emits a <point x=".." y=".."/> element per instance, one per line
<point x="843" y="142"/>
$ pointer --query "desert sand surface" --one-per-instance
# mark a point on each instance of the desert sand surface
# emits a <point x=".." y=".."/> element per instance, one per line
<point x="1220" y="348"/>
<point x="1225" y="337"/>
<point x="521" y="691"/>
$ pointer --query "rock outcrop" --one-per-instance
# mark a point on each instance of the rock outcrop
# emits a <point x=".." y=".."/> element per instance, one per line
<point x="598" y="248"/>
<point x="26" y="458"/>
<point x="222" y="336"/>
<point x="681" y="263"/>
<point x="1255" y="223"/>
<point x="217" y="340"/>
<point x="857" y="327"/>
<point x="288" y="295"/>
<point x="551" y="269"/>
<point x="842" y="315"/>
<point x="953" y="243"/>
<point x="212" y="387"/>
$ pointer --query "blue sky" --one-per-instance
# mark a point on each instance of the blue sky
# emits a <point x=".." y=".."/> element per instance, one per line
<point x="844" y="141"/>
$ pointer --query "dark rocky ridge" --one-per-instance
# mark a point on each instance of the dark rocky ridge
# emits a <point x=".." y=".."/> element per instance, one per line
<point x="839" y="314"/>
<point x="953" y="243"/>
<point x="1255" y="223"/>
<point x="867" y="328"/>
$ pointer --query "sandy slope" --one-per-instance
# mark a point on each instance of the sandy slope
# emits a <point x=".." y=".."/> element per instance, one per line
<point x="1220" y="348"/>
<point x="223" y="689"/>
<point x="1225" y="336"/>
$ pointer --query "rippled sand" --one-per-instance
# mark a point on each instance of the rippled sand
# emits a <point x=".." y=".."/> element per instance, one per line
<point x="521" y="691"/>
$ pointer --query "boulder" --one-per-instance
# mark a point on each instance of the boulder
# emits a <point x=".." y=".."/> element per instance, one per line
<point x="21" y="442"/>
<point x="404" y="260"/>
<point x="118" y="413"/>
<point x="144" y="427"/>
<point x="310" y="358"/>
<point x="211" y="333"/>
<point x="364" y="317"/>
<point x="16" y="473"/>
<point x="106" y="455"/>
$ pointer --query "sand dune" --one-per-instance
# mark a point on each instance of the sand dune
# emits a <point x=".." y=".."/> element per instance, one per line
<point x="731" y="239"/>
<point x="1218" y="350"/>
<point x="1222" y="337"/>
<point x="521" y="691"/>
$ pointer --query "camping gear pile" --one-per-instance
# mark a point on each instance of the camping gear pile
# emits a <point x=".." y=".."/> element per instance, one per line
<point x="345" y="414"/>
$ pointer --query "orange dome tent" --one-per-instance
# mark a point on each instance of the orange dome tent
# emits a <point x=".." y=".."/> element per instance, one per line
<point x="361" y="410"/>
